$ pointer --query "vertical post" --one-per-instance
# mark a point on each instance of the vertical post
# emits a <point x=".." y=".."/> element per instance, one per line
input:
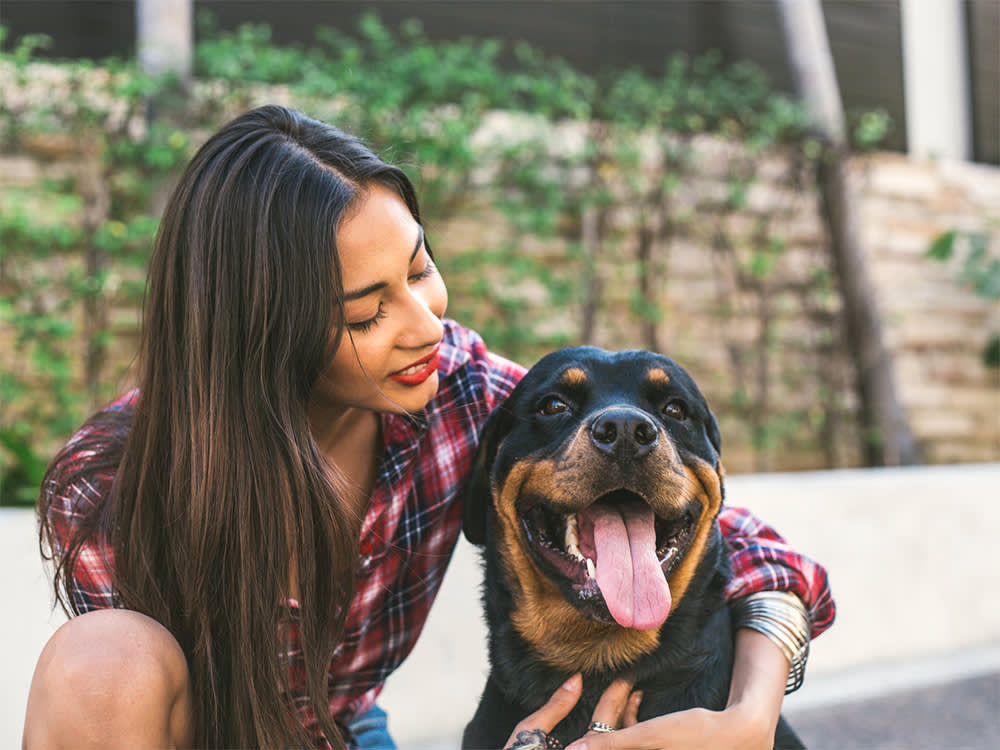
<point x="888" y="439"/>
<point x="808" y="48"/>
<point x="165" y="36"/>
<point x="936" y="79"/>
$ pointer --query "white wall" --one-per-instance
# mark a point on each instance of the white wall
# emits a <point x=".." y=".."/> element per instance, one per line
<point x="909" y="553"/>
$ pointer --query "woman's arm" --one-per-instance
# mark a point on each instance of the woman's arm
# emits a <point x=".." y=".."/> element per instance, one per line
<point x="747" y="723"/>
<point x="762" y="560"/>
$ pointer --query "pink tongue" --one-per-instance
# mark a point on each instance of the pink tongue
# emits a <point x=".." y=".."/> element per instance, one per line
<point x="628" y="573"/>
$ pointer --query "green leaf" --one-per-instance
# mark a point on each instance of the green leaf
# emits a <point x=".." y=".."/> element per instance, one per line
<point x="943" y="246"/>
<point x="991" y="353"/>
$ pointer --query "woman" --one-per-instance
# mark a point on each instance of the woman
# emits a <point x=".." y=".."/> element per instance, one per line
<point x="291" y="468"/>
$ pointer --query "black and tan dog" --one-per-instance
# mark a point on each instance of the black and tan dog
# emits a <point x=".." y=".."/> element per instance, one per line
<point x="595" y="495"/>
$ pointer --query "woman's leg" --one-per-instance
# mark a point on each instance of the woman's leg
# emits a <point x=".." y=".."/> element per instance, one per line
<point x="110" y="679"/>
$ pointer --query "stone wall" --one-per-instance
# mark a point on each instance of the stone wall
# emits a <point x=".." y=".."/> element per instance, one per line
<point x="767" y="348"/>
<point x="936" y="328"/>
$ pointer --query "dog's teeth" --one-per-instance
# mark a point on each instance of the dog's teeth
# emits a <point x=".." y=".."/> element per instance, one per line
<point x="572" y="540"/>
<point x="591" y="570"/>
<point x="572" y="534"/>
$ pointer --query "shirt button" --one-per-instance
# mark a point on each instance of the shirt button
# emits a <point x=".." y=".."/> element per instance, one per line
<point x="365" y="547"/>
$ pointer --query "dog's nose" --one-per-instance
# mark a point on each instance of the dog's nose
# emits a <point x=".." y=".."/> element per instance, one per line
<point x="628" y="433"/>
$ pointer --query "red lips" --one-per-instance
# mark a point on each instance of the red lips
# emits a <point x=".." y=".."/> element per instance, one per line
<point x="417" y="372"/>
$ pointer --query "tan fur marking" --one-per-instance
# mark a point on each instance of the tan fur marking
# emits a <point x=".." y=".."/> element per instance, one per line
<point x="657" y="376"/>
<point x="573" y="376"/>
<point x="705" y="485"/>
<point x="570" y="642"/>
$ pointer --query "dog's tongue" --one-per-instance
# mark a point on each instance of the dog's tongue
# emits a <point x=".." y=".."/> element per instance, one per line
<point x="628" y="573"/>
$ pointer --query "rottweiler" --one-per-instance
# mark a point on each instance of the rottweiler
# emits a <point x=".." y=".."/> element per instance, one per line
<point x="595" y="496"/>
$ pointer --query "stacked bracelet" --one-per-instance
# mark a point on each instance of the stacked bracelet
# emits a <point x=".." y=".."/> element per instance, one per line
<point x="782" y="617"/>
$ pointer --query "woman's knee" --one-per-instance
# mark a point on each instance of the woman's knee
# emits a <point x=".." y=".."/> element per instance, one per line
<point x="111" y="677"/>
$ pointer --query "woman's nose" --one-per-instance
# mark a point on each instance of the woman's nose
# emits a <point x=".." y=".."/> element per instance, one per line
<point x="428" y="305"/>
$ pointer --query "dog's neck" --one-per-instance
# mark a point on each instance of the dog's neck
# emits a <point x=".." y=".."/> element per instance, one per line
<point x="569" y="642"/>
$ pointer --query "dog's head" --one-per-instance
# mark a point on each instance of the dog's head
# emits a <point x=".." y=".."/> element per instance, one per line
<point x="599" y="482"/>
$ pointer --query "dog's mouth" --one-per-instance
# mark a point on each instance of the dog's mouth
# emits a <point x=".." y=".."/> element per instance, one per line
<point x="612" y="559"/>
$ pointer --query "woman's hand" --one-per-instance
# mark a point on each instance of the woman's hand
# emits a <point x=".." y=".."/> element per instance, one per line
<point x="694" y="729"/>
<point x="747" y="723"/>
<point x="617" y="707"/>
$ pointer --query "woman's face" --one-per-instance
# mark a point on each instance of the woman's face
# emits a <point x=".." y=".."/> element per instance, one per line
<point x="394" y="302"/>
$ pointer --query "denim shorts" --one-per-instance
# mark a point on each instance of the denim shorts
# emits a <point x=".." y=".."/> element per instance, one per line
<point x="371" y="730"/>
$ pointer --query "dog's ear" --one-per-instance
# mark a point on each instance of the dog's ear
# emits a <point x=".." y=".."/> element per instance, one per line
<point x="478" y="491"/>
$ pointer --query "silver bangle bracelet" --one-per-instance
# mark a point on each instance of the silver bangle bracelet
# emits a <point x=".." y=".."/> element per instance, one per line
<point x="782" y="617"/>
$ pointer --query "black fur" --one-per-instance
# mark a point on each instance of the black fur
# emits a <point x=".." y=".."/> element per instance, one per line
<point x="692" y="664"/>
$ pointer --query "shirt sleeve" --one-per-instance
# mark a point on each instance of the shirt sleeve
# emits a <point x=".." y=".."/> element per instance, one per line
<point x="495" y="376"/>
<point x="78" y="479"/>
<point x="762" y="560"/>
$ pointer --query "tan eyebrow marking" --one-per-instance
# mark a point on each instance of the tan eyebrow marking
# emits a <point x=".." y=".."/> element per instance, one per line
<point x="573" y="376"/>
<point x="657" y="376"/>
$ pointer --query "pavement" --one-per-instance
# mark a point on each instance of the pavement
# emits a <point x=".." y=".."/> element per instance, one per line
<point x="962" y="714"/>
<point x="913" y="660"/>
<point x="939" y="703"/>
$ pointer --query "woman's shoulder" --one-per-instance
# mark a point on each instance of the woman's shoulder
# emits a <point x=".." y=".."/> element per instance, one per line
<point x="469" y="371"/>
<point x="85" y="466"/>
<point x="462" y="347"/>
<point x="105" y="430"/>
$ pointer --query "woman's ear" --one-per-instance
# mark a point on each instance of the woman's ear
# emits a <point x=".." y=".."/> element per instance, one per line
<point x="479" y="489"/>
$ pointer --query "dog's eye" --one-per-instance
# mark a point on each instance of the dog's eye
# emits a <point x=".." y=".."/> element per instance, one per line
<point x="552" y="405"/>
<point x="676" y="409"/>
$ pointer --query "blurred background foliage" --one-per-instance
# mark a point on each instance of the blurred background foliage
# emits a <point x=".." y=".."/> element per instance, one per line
<point x="570" y="151"/>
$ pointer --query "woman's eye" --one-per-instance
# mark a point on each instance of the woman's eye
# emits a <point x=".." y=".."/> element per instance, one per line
<point x="363" y="326"/>
<point x="552" y="405"/>
<point x="676" y="409"/>
<point x="428" y="270"/>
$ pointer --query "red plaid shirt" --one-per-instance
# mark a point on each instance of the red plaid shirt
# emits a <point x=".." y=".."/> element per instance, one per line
<point x="411" y="527"/>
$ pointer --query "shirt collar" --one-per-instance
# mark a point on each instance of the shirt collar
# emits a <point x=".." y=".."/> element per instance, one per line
<point x="400" y="429"/>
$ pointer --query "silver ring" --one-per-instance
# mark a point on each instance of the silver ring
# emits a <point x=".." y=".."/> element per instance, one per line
<point x="600" y="726"/>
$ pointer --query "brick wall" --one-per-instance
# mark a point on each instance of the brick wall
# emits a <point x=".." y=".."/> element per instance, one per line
<point x="936" y="328"/>
<point x="767" y="350"/>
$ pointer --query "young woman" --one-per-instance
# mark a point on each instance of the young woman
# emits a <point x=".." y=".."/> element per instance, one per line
<point x="253" y="537"/>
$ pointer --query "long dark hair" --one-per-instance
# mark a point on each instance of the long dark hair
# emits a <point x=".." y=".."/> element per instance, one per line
<point x="221" y="491"/>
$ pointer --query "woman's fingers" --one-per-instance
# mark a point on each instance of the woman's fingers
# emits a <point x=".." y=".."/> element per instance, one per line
<point x="611" y="708"/>
<point x="618" y="707"/>
<point x="554" y="711"/>
<point x="693" y="729"/>
<point x="632" y="709"/>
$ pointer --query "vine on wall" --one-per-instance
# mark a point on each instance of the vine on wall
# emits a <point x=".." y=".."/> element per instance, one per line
<point x="584" y="184"/>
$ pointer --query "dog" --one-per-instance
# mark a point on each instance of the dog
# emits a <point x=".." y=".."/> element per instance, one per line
<point x="595" y="495"/>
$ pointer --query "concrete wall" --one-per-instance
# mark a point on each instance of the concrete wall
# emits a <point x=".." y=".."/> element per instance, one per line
<point x="909" y="553"/>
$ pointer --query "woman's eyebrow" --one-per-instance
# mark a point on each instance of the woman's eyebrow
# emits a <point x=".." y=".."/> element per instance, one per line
<point x="372" y="288"/>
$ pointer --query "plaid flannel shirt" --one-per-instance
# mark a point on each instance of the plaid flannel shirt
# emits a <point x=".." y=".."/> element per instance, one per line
<point x="411" y="527"/>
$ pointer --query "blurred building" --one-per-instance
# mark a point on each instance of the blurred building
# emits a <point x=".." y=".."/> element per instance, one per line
<point x="933" y="65"/>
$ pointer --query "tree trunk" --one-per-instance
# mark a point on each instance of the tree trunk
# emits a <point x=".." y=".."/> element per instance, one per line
<point x="591" y="234"/>
<point x="886" y="433"/>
